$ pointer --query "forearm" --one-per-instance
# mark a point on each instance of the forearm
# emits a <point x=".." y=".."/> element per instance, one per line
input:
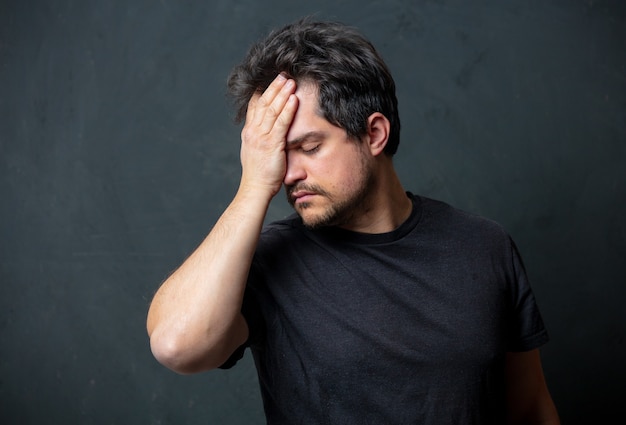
<point x="543" y="412"/>
<point x="552" y="419"/>
<point x="194" y="321"/>
<point x="528" y="399"/>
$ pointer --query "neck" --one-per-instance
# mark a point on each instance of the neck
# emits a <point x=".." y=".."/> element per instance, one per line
<point x="387" y="205"/>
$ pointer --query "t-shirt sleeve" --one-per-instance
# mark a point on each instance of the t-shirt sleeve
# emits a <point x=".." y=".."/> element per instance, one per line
<point x="526" y="330"/>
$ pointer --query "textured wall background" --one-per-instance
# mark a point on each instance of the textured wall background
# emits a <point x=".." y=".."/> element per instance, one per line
<point x="117" y="153"/>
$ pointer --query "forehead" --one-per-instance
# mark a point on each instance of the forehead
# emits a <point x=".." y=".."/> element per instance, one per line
<point x="308" y="117"/>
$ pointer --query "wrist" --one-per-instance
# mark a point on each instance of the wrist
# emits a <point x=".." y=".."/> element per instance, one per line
<point x="256" y="194"/>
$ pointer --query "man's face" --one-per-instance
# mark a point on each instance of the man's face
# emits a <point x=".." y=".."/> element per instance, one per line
<point x="328" y="174"/>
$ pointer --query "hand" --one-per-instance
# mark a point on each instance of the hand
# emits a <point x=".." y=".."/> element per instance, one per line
<point x="263" y="138"/>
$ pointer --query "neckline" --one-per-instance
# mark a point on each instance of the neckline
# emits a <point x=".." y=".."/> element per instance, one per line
<point x="339" y="235"/>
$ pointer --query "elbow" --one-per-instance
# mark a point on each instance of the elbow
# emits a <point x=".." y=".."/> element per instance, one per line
<point x="181" y="357"/>
<point x="192" y="349"/>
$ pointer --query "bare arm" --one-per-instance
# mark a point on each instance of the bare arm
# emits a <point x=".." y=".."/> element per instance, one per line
<point x="194" y="321"/>
<point x="528" y="399"/>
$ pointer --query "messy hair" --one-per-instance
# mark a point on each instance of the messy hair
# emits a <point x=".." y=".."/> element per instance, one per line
<point x="351" y="78"/>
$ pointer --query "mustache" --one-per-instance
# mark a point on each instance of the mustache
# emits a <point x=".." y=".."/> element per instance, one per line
<point x="313" y="188"/>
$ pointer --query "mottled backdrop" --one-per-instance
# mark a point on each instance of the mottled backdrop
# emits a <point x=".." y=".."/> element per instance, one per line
<point x="118" y="152"/>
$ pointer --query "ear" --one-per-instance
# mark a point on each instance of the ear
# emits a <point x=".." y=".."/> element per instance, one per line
<point x="378" y="132"/>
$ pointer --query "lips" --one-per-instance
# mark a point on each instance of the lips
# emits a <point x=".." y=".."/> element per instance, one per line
<point x="302" y="195"/>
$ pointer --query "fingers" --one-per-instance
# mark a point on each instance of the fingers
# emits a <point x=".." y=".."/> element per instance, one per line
<point x="252" y="106"/>
<point x="263" y="137"/>
<point x="264" y="110"/>
<point x="285" y="118"/>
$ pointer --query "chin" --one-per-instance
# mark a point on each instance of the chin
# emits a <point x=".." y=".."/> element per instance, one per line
<point x="312" y="225"/>
<point x="316" y="221"/>
<point x="309" y="218"/>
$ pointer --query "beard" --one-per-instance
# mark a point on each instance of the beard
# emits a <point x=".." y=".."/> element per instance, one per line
<point x="340" y="211"/>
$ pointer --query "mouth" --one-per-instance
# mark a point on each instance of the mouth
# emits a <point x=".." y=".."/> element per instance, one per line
<point x="301" y="196"/>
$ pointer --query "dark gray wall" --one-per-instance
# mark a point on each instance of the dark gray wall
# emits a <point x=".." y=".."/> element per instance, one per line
<point x="117" y="153"/>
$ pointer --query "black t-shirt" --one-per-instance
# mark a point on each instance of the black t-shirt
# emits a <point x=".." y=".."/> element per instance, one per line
<point x="405" y="327"/>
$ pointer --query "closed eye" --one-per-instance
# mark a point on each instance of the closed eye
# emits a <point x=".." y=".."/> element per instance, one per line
<point x="310" y="151"/>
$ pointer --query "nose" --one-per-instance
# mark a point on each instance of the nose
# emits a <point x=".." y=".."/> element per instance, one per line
<point x="295" y="169"/>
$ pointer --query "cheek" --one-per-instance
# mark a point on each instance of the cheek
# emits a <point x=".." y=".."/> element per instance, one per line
<point x="347" y="175"/>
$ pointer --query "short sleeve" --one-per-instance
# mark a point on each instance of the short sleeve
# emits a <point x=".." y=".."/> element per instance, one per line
<point x="526" y="329"/>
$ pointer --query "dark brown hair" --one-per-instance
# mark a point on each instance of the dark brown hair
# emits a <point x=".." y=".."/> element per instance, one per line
<point x="352" y="79"/>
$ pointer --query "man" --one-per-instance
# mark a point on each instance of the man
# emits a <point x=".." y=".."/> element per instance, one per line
<point x="370" y="305"/>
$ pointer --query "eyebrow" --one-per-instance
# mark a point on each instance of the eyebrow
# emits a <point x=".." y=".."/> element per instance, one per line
<point x="311" y="135"/>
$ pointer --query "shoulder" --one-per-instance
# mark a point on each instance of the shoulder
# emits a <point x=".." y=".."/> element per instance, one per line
<point x="434" y="209"/>
<point x="443" y="219"/>
<point x="280" y="232"/>
<point x="286" y="226"/>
